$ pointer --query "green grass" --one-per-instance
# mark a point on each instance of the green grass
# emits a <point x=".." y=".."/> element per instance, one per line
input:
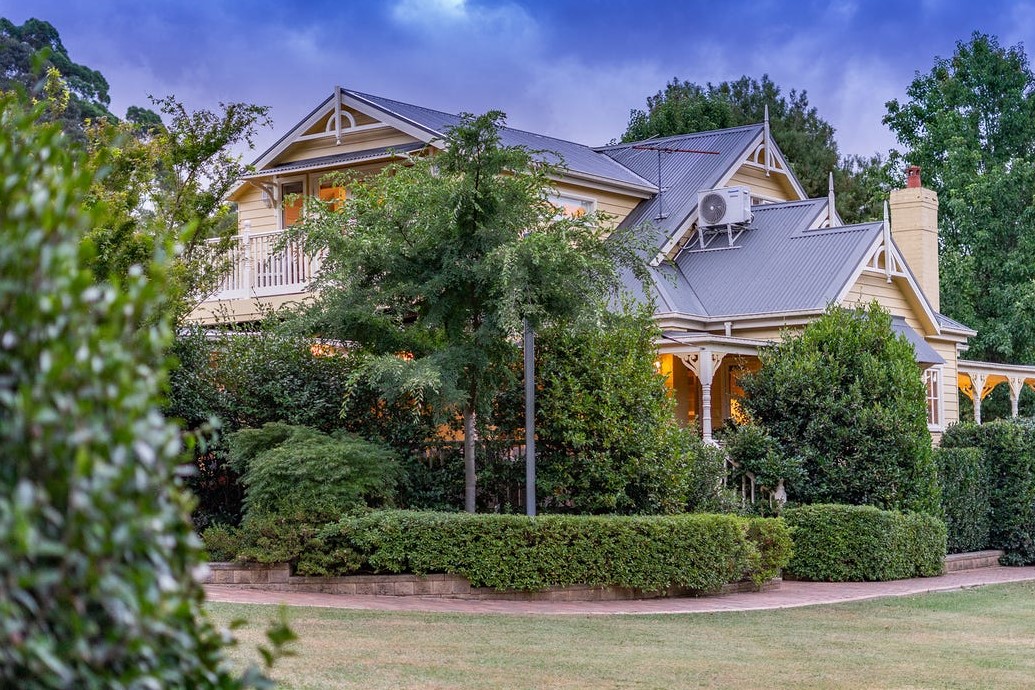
<point x="982" y="638"/>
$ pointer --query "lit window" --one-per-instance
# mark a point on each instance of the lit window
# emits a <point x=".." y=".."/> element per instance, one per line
<point x="573" y="206"/>
<point x="332" y="192"/>
<point x="291" y="210"/>
<point x="933" y="385"/>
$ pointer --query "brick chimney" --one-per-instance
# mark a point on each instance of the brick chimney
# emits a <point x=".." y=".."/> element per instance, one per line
<point x="914" y="226"/>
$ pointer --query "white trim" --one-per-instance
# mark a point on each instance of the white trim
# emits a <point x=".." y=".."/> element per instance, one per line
<point x="938" y="374"/>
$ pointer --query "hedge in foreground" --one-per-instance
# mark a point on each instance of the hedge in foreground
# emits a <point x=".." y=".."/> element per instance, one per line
<point x="841" y="543"/>
<point x="651" y="553"/>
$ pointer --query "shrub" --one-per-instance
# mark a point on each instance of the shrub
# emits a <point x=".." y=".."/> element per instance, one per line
<point x="965" y="498"/>
<point x="840" y="543"/>
<point x="1008" y="447"/>
<point x="608" y="441"/>
<point x="755" y="451"/>
<point x="222" y="542"/>
<point x="308" y="475"/>
<point x="98" y="555"/>
<point x="516" y="552"/>
<point x="847" y="398"/>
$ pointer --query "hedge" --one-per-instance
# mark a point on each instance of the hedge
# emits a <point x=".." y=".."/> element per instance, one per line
<point x="965" y="498"/>
<point x="1009" y="452"/>
<point x="650" y="553"/>
<point x="841" y="543"/>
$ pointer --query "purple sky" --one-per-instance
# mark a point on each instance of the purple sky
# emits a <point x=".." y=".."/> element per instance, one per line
<point x="568" y="69"/>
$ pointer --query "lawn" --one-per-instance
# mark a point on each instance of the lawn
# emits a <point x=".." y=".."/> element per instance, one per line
<point x="976" y="638"/>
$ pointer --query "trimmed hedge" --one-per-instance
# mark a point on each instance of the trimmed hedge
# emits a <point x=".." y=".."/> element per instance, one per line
<point x="1009" y="451"/>
<point x="841" y="543"/>
<point x="650" y="553"/>
<point x="965" y="498"/>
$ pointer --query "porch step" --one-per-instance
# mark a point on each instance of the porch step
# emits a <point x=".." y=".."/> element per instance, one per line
<point x="969" y="561"/>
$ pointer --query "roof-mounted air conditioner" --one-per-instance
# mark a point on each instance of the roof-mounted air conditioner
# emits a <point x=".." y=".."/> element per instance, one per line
<point x="724" y="206"/>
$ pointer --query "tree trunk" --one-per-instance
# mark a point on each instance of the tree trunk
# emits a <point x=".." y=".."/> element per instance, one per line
<point x="469" y="477"/>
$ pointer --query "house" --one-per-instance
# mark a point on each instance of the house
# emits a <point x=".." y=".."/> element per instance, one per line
<point x="741" y="254"/>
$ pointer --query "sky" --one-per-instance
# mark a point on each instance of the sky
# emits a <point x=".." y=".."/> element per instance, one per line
<point x="569" y="69"/>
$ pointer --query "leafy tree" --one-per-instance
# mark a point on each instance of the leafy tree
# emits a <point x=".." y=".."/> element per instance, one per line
<point x="970" y="125"/>
<point x="97" y="587"/>
<point x="845" y="398"/>
<point x="608" y="440"/>
<point x="431" y="267"/>
<point x="30" y="50"/>
<point x="170" y="181"/>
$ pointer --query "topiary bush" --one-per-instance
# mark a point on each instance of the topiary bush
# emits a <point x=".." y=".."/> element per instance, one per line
<point x="97" y="586"/>
<point x="1008" y="447"/>
<point x="965" y="498"/>
<point x="845" y="397"/>
<point x="308" y="475"/>
<point x="841" y="543"/>
<point x="650" y="553"/>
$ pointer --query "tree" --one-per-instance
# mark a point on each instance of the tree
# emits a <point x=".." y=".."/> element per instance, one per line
<point x="169" y="182"/>
<point x="28" y="51"/>
<point x="432" y="266"/>
<point x="845" y="398"/>
<point x="970" y="125"/>
<point x="607" y="436"/>
<point x="97" y="587"/>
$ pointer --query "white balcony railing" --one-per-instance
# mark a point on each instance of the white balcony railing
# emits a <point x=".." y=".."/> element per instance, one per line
<point x="258" y="269"/>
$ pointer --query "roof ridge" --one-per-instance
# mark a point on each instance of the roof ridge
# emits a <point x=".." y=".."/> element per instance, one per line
<point x="656" y="139"/>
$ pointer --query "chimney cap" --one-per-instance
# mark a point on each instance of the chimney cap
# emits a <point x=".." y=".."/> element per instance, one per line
<point x="913" y="177"/>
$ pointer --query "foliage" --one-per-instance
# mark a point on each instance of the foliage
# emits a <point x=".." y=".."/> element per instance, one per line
<point x="608" y="441"/>
<point x="970" y="125"/>
<point x="33" y="49"/>
<point x="698" y="551"/>
<point x="248" y="379"/>
<point x="1008" y="447"/>
<point x="298" y="471"/>
<point x="840" y="543"/>
<point x="222" y="542"/>
<point x="965" y="497"/>
<point x="169" y="183"/>
<point x="97" y="565"/>
<point x="847" y="398"/>
<point x="440" y="259"/>
<point x="755" y="451"/>
<point x="804" y="137"/>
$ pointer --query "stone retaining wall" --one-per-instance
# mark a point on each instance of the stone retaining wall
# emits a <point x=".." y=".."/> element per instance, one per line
<point x="278" y="578"/>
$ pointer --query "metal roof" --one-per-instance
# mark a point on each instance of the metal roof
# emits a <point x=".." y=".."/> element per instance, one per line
<point x="945" y="322"/>
<point x="925" y="354"/>
<point x="574" y="157"/>
<point x="682" y="174"/>
<point x="776" y="265"/>
<point x="336" y="159"/>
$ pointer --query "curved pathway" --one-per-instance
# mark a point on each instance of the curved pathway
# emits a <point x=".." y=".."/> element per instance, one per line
<point x="789" y="595"/>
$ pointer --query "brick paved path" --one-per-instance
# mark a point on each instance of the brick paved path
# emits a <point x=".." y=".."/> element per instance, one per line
<point x="790" y="594"/>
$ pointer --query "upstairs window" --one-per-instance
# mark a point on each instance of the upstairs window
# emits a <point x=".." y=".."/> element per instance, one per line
<point x="573" y="206"/>
<point x="291" y="211"/>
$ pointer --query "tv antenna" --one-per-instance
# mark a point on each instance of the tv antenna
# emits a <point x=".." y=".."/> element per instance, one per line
<point x="666" y="149"/>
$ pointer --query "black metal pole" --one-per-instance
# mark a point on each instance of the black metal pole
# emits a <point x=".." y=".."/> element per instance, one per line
<point x="529" y="346"/>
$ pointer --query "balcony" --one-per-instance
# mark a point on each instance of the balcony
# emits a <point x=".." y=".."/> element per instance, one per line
<point x="261" y="265"/>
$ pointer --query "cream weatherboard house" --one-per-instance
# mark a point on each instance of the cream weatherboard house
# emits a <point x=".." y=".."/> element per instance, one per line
<point x="742" y="256"/>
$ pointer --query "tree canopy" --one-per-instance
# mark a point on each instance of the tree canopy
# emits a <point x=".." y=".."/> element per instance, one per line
<point x="969" y="124"/>
<point x="807" y="140"/>
<point x="845" y="401"/>
<point x="432" y="265"/>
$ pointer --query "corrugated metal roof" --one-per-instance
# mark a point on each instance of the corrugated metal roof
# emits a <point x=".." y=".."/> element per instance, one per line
<point x="336" y="159"/>
<point x="577" y="158"/>
<point x="776" y="265"/>
<point x="682" y="174"/>
<point x="945" y="322"/>
<point x="925" y="354"/>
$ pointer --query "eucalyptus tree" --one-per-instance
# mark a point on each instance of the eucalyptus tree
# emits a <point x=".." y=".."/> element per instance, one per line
<point x="969" y="123"/>
<point x="432" y="266"/>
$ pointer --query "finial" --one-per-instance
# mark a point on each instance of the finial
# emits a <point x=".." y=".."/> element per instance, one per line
<point x="831" y="208"/>
<point x="887" y="241"/>
<point x="768" y="140"/>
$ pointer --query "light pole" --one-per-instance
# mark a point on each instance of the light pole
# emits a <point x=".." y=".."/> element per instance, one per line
<point x="529" y="346"/>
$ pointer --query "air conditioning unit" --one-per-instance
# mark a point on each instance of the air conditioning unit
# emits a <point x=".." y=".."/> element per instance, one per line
<point x="725" y="206"/>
